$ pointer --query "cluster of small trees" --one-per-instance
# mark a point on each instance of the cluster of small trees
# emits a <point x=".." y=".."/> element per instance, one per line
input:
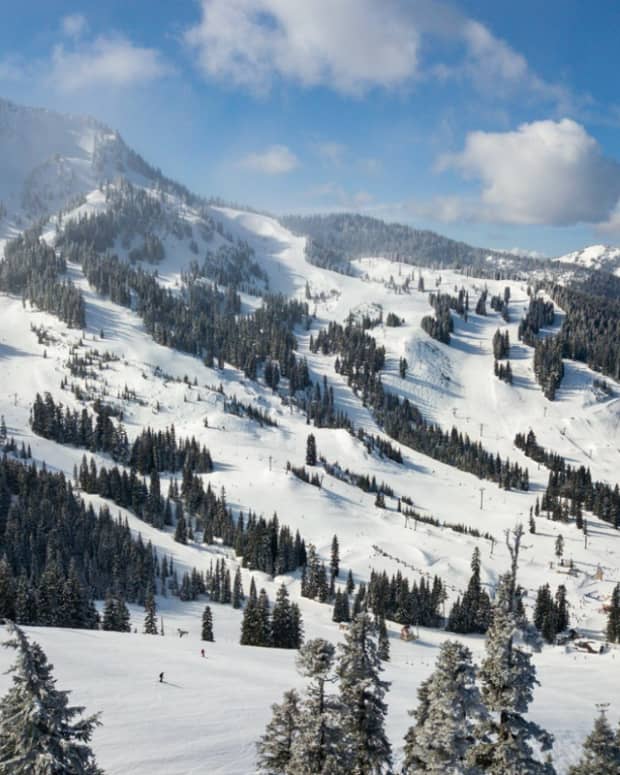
<point x="280" y="628"/>
<point x="471" y="612"/>
<point x="501" y="344"/>
<point x="551" y="613"/>
<point x="53" y="421"/>
<point x="59" y="554"/>
<point x="440" y="326"/>
<point x="570" y="490"/>
<point x="548" y="365"/>
<point x="503" y="372"/>
<point x="540" y="314"/>
<point x="32" y="269"/>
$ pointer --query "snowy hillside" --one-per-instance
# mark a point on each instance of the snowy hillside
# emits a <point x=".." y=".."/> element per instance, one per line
<point x="209" y="714"/>
<point x="603" y="257"/>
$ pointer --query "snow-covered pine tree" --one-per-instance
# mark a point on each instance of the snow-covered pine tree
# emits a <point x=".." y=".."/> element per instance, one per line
<point x="601" y="751"/>
<point x="38" y="734"/>
<point x="362" y="694"/>
<point x="276" y="745"/>
<point x="207" y="624"/>
<point x="447" y="717"/>
<point x="508" y="678"/>
<point x="318" y="748"/>
<point x="150" y="608"/>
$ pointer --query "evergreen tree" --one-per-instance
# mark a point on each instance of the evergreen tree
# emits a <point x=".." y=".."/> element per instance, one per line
<point x="449" y="713"/>
<point x="38" y="733"/>
<point x="383" y="640"/>
<point x="601" y="751"/>
<point x="319" y="747"/>
<point x="334" y="562"/>
<point x="237" y="591"/>
<point x="508" y="678"/>
<point x="310" y="450"/>
<point x="281" y="621"/>
<point x="362" y="695"/>
<point x="276" y="745"/>
<point x="613" y="620"/>
<point x="180" y="533"/>
<point x="150" y="608"/>
<point x="207" y="624"/>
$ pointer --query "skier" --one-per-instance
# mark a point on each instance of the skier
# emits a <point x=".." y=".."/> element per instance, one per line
<point x="202" y="652"/>
<point x="161" y="678"/>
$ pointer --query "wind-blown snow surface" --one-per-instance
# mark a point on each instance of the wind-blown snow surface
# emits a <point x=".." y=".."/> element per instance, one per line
<point x="208" y="715"/>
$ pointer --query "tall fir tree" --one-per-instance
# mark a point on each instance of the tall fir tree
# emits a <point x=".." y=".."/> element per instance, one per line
<point x="150" y="608"/>
<point x="448" y="716"/>
<point x="207" y="625"/>
<point x="319" y="747"/>
<point x="276" y="746"/>
<point x="362" y="696"/>
<point x="613" y="619"/>
<point x="311" y="450"/>
<point x="39" y="732"/>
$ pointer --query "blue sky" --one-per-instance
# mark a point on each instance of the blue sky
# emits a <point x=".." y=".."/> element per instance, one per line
<point x="495" y="123"/>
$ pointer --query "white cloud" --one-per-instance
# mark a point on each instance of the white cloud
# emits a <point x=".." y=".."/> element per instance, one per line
<point x="352" y="46"/>
<point x="545" y="172"/>
<point x="275" y="160"/>
<point x="74" y="25"/>
<point x="349" y="45"/>
<point x="105" y="61"/>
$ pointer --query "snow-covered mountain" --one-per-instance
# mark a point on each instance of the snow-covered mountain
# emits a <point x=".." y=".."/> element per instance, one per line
<point x="604" y="257"/>
<point x="209" y="715"/>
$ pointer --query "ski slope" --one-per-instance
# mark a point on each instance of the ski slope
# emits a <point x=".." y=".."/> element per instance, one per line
<point x="210" y="712"/>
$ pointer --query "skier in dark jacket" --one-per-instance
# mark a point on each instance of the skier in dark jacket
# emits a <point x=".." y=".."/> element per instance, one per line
<point x="161" y="678"/>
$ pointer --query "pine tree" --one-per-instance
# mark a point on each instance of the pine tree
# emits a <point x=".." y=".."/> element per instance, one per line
<point x="447" y="718"/>
<point x="362" y="695"/>
<point x="350" y="583"/>
<point x="508" y="678"/>
<point x="318" y="748"/>
<point x="613" y="620"/>
<point x="150" y="608"/>
<point x="237" y="591"/>
<point x="180" y="533"/>
<point x="383" y="640"/>
<point x="334" y="563"/>
<point x="601" y="751"/>
<point x="310" y="450"/>
<point x="207" y="624"/>
<point x="276" y="745"/>
<point x="282" y="625"/>
<point x="38" y="734"/>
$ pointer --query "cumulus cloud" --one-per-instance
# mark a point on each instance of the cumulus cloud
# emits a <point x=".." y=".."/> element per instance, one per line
<point x="350" y="45"/>
<point x="544" y="172"/>
<point x="74" y="25"/>
<point x="275" y="160"/>
<point x="104" y="62"/>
